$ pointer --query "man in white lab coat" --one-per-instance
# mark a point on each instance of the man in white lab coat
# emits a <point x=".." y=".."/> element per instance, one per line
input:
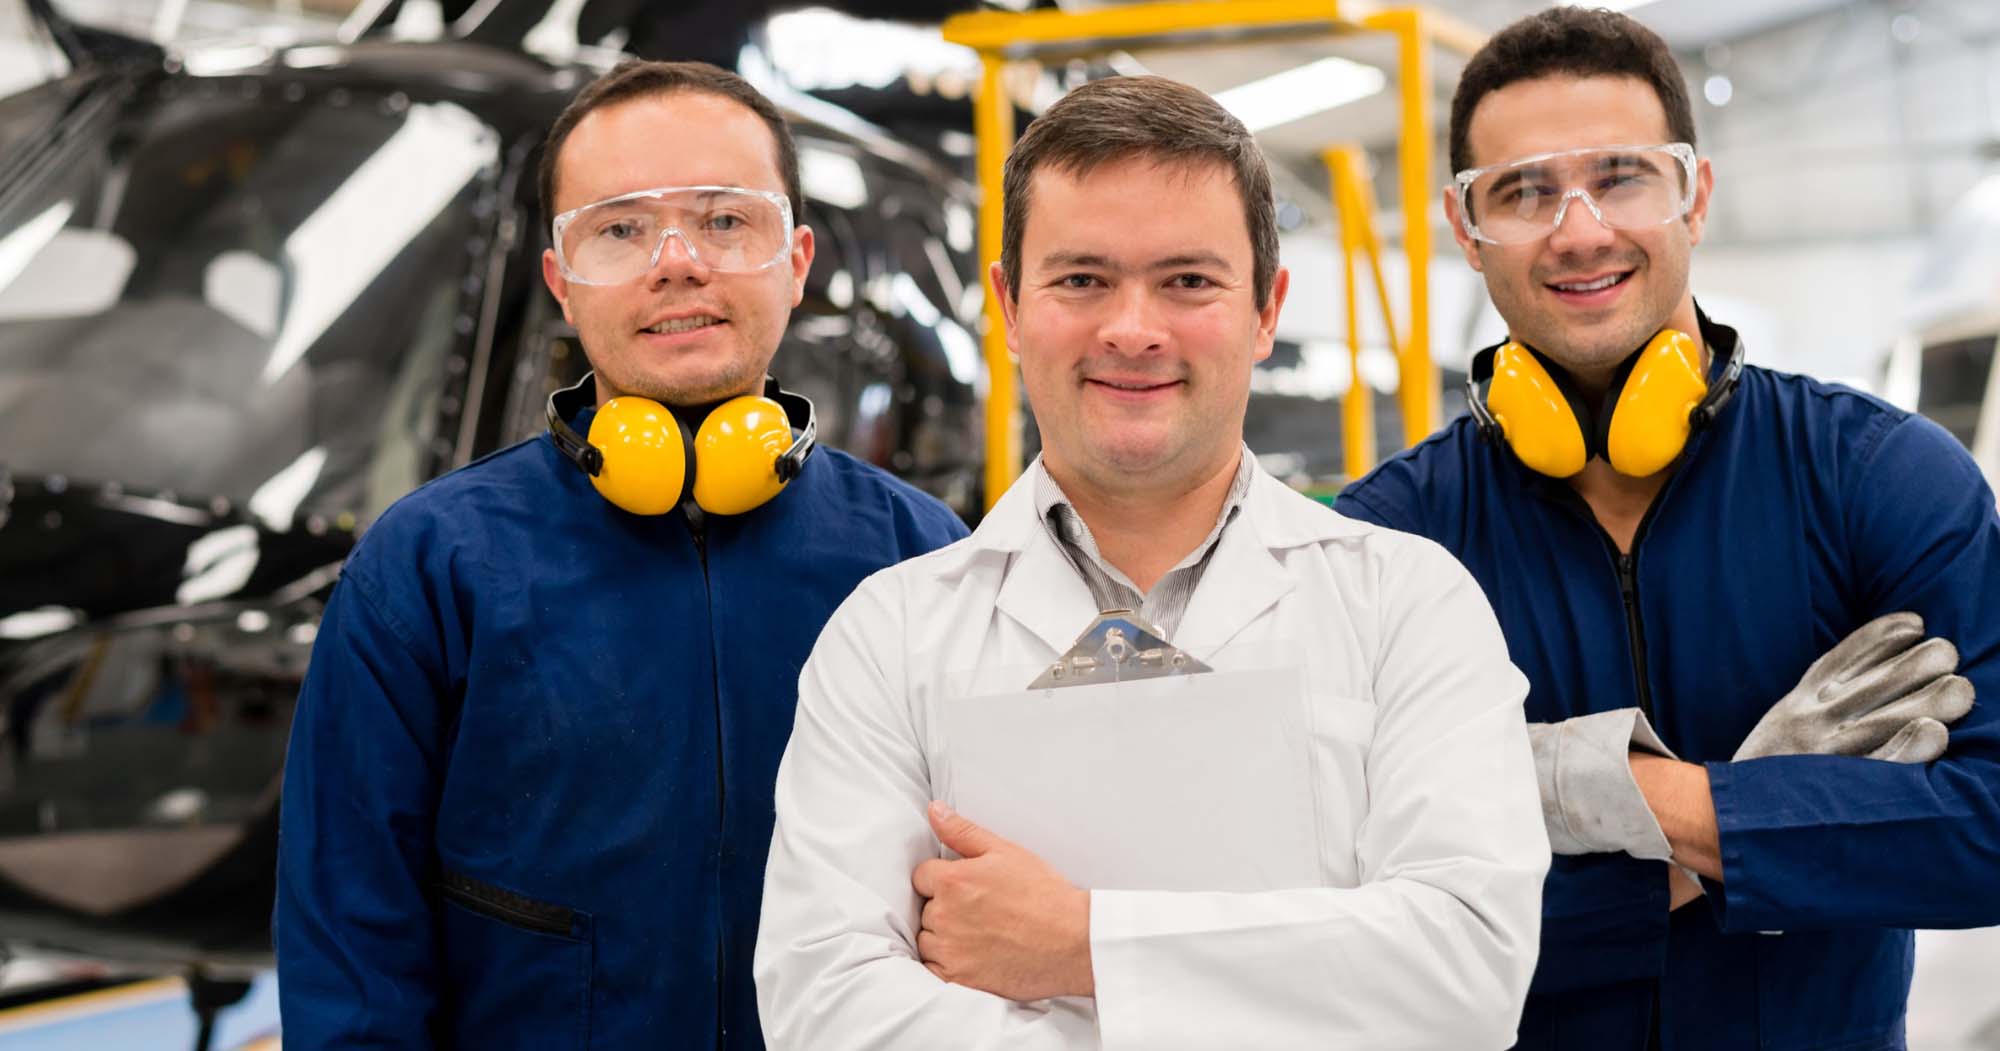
<point x="1331" y="840"/>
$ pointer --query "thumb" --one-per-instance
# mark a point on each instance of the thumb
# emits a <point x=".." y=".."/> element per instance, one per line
<point x="960" y="834"/>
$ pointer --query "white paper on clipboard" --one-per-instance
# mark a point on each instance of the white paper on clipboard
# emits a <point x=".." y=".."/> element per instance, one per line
<point x="1190" y="782"/>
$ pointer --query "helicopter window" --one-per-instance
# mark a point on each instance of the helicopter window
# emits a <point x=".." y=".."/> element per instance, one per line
<point x="247" y="287"/>
<point x="255" y="278"/>
<point x="73" y="271"/>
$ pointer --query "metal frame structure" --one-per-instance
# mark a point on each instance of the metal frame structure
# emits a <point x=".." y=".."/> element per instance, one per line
<point x="1001" y="38"/>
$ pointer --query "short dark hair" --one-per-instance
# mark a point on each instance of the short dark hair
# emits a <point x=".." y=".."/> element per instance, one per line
<point x="639" y="78"/>
<point x="1125" y="117"/>
<point x="1575" y="42"/>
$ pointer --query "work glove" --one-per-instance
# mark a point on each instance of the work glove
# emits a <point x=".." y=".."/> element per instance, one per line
<point x="1590" y="802"/>
<point x="1881" y="693"/>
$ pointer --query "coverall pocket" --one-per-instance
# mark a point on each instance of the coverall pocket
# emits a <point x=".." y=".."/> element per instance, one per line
<point x="517" y="971"/>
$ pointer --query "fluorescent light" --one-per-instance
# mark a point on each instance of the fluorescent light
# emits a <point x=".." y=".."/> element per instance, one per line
<point x="1300" y="92"/>
<point x="35" y="623"/>
<point x="819" y="48"/>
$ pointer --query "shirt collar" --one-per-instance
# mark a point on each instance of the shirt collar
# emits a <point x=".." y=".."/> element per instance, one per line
<point x="1067" y="526"/>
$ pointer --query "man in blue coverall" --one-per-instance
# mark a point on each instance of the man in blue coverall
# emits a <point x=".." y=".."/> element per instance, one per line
<point x="1755" y="583"/>
<point x="528" y="797"/>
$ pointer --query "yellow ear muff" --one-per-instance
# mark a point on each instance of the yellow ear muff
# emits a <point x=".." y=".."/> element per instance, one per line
<point x="736" y="452"/>
<point x="1649" y="424"/>
<point x="645" y="463"/>
<point x="1534" y="415"/>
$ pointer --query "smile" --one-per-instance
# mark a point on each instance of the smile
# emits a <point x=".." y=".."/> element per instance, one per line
<point x="1598" y="285"/>
<point x="679" y="325"/>
<point x="1134" y="385"/>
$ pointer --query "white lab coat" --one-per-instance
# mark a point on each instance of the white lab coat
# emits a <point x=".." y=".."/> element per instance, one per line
<point x="1424" y="929"/>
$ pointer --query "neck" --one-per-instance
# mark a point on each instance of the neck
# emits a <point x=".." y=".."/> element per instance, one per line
<point x="1594" y="382"/>
<point x="1146" y="532"/>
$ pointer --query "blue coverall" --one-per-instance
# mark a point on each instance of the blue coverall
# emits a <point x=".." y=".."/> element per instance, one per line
<point x="1804" y="512"/>
<point x="528" y="797"/>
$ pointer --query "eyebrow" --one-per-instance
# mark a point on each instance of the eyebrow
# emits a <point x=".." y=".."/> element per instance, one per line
<point x="1092" y="261"/>
<point x="1612" y="162"/>
<point x="1509" y="178"/>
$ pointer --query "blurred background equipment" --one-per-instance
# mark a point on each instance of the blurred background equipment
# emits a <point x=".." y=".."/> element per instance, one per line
<point x="266" y="265"/>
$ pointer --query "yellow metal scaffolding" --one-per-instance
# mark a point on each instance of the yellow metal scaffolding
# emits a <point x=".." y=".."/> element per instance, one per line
<point x="1001" y="38"/>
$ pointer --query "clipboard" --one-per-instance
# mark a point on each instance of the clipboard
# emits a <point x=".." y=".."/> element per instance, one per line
<point x="1177" y="782"/>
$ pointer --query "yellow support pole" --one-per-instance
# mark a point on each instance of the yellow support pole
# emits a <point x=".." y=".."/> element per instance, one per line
<point x="1361" y="204"/>
<point x="993" y="128"/>
<point x="1000" y="36"/>
<point x="1417" y="391"/>
<point x="1357" y="405"/>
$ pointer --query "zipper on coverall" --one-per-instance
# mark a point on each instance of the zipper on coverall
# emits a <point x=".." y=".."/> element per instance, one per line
<point x="697" y="524"/>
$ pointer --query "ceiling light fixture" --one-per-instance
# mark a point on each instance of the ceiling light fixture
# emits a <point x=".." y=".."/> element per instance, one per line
<point x="1301" y="92"/>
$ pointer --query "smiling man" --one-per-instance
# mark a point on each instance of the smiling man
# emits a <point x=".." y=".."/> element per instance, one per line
<point x="1699" y="558"/>
<point x="1328" y="838"/>
<point x="528" y="795"/>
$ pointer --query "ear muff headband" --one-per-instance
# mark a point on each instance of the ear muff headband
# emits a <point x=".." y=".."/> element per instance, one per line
<point x="641" y="456"/>
<point x="1658" y="400"/>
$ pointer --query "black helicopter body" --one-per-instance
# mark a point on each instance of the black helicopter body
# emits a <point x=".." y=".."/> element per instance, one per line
<point x="247" y="308"/>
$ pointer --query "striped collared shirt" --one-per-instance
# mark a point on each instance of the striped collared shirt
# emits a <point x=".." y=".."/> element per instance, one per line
<point x="1109" y="587"/>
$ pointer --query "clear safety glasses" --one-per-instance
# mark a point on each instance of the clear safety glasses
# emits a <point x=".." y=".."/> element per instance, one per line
<point x="724" y="228"/>
<point x="1625" y="188"/>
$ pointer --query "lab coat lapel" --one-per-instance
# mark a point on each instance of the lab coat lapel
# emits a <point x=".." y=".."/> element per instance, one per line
<point x="1244" y="578"/>
<point x="1041" y="591"/>
<point x="1044" y="594"/>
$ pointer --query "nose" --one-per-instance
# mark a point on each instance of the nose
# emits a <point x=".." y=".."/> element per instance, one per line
<point x="1579" y="230"/>
<point x="675" y="260"/>
<point x="1133" y="323"/>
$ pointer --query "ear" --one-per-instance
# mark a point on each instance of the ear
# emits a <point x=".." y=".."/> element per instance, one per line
<point x="1465" y="242"/>
<point x="1267" y="315"/>
<point x="802" y="261"/>
<point x="1704" y="184"/>
<point x="558" y="285"/>
<point x="996" y="279"/>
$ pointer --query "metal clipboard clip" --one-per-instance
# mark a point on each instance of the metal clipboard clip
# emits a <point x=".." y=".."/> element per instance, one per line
<point x="1117" y="647"/>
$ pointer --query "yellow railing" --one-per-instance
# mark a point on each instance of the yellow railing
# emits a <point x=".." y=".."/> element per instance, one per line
<point x="1001" y="37"/>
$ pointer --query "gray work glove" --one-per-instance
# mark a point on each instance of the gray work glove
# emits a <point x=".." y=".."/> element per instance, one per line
<point x="1590" y="803"/>
<point x="1881" y="693"/>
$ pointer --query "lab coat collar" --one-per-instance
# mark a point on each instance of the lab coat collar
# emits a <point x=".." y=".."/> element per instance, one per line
<point x="1044" y="594"/>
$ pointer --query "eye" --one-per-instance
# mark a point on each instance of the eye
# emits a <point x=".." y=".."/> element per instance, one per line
<point x="1077" y="281"/>
<point x="725" y="222"/>
<point x="620" y="230"/>
<point x="1191" y="282"/>
<point x="1523" y="193"/>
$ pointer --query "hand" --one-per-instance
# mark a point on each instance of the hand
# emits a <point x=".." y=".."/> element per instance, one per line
<point x="1001" y="920"/>
<point x="1679" y="797"/>
<point x="1881" y="693"/>
<point x="1681" y="887"/>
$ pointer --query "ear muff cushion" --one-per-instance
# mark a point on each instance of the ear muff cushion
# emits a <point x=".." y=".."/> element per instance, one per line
<point x="645" y="457"/>
<point x="736" y="452"/>
<point x="1648" y="423"/>
<point x="1537" y="412"/>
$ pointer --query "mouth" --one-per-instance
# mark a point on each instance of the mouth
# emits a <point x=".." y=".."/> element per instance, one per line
<point x="1590" y="291"/>
<point x="683" y="325"/>
<point x="1131" y="389"/>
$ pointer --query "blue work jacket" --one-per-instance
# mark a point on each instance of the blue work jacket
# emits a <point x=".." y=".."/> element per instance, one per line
<point x="528" y="798"/>
<point x="1805" y="511"/>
